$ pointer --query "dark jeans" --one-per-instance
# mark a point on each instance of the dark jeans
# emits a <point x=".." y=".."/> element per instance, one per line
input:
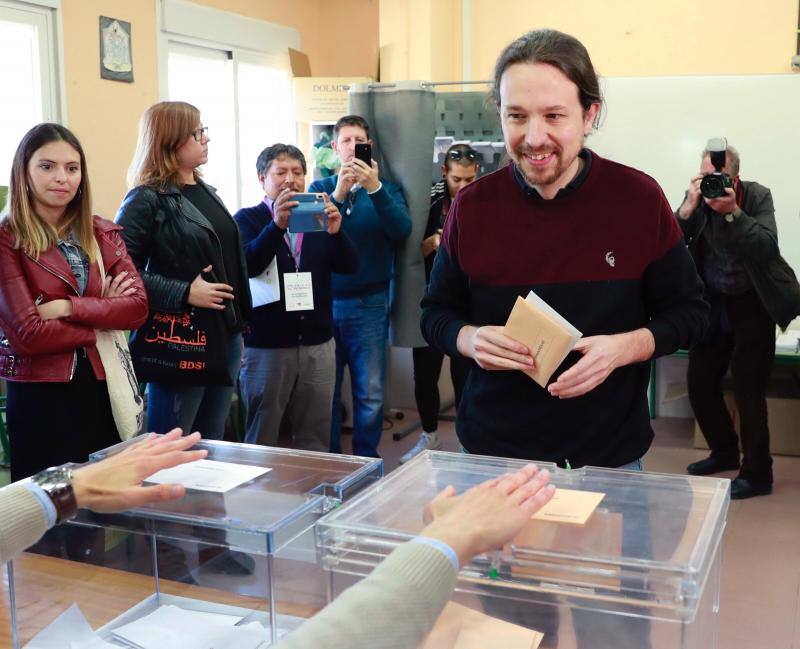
<point x="195" y="408"/>
<point x="427" y="367"/>
<point x="749" y="350"/>
<point x="361" y="325"/>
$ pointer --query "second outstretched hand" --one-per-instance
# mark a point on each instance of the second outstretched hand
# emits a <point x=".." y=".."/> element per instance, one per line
<point x="488" y="515"/>
<point x="115" y="483"/>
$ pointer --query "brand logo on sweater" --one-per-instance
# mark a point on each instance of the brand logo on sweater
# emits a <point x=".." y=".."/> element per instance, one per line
<point x="610" y="258"/>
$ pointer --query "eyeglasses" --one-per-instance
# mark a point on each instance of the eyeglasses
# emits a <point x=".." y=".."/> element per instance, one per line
<point x="198" y="133"/>
<point x="469" y="154"/>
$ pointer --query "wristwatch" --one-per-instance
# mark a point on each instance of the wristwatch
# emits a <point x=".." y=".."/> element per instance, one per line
<point x="56" y="482"/>
<point x="731" y="216"/>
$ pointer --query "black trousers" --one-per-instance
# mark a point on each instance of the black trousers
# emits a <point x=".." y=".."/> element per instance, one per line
<point x="427" y="367"/>
<point x="749" y="350"/>
<point x="53" y="423"/>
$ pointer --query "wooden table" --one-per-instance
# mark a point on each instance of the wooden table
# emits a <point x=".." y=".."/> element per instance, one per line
<point x="46" y="587"/>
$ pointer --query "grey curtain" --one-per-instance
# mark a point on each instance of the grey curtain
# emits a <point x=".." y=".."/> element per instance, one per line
<point x="401" y="119"/>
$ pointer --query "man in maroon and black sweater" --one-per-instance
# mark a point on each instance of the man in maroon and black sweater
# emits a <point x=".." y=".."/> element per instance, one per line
<point x="593" y="238"/>
<point x="598" y="242"/>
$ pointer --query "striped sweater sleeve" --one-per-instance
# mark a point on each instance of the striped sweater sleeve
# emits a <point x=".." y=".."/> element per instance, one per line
<point x="394" y="608"/>
<point x="23" y="521"/>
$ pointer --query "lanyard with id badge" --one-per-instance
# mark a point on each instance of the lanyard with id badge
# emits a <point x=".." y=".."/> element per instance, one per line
<point x="309" y="216"/>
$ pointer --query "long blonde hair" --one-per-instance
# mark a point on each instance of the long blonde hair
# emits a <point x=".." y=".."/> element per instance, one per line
<point x="164" y="127"/>
<point x="31" y="232"/>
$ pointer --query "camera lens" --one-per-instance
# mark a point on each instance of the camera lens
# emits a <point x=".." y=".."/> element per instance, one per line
<point x="712" y="186"/>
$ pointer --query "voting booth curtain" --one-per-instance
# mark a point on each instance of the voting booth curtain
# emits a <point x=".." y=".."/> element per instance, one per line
<point x="401" y="120"/>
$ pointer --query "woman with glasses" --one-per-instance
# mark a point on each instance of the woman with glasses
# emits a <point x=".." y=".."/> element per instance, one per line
<point x="186" y="245"/>
<point x="460" y="168"/>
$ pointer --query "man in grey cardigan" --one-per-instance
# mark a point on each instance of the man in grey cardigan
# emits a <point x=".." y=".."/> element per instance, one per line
<point x="734" y="242"/>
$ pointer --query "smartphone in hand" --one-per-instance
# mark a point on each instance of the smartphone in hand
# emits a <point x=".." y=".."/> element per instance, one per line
<point x="309" y="215"/>
<point x="364" y="153"/>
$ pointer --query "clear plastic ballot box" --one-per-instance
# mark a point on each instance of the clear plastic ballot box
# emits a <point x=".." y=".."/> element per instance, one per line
<point x="237" y="550"/>
<point x="642" y="571"/>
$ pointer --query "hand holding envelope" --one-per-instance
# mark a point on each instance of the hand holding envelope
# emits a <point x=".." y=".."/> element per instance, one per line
<point x="550" y="337"/>
<point x="547" y="335"/>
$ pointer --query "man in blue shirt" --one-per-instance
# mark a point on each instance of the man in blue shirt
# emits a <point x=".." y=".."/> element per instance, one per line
<point x="375" y="217"/>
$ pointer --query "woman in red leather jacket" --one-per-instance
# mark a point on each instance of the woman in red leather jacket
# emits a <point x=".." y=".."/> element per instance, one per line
<point x="52" y="299"/>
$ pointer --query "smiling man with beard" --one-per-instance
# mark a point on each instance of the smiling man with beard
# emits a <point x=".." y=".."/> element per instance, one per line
<point x="593" y="238"/>
<point x="598" y="242"/>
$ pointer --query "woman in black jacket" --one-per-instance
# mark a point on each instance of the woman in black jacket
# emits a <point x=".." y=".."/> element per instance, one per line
<point x="187" y="247"/>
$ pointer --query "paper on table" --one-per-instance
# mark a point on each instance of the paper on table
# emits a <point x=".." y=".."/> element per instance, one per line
<point x="460" y="627"/>
<point x="570" y="506"/>
<point x="177" y="628"/>
<point x="70" y="626"/>
<point x="266" y="287"/>
<point x="95" y="643"/>
<point x="547" y="335"/>
<point x="209" y="475"/>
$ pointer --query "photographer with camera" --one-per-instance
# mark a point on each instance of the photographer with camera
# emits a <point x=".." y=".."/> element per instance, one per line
<point x="289" y="363"/>
<point x="729" y="227"/>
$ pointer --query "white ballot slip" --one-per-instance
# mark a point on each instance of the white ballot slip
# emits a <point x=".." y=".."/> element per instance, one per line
<point x="536" y="301"/>
<point x="177" y="628"/>
<point x="209" y="475"/>
<point x="70" y="630"/>
<point x="266" y="287"/>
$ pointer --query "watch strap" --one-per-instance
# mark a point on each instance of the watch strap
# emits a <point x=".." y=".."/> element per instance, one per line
<point x="56" y="482"/>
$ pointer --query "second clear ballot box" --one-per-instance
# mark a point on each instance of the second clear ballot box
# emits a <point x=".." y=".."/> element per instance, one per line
<point x="158" y="576"/>
<point x="642" y="572"/>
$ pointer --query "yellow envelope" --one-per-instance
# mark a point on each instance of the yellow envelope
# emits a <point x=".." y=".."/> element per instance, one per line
<point x="600" y="537"/>
<point x="460" y="627"/>
<point x="570" y="506"/>
<point x="548" y="341"/>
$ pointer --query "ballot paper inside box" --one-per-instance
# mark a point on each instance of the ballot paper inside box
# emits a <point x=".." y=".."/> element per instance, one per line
<point x="241" y="543"/>
<point x="642" y="570"/>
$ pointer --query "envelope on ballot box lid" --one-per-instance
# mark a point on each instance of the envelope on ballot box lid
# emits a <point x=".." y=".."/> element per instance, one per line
<point x="547" y="335"/>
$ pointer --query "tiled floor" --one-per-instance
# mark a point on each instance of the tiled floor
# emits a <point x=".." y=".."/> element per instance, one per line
<point x="760" y="602"/>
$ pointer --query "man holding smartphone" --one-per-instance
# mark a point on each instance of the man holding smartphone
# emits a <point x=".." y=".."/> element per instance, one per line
<point x="288" y="364"/>
<point x="375" y="216"/>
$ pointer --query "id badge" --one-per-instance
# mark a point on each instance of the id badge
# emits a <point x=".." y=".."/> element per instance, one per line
<point x="298" y="291"/>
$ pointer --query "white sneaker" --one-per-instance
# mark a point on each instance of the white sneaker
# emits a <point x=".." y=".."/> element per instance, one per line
<point x="427" y="442"/>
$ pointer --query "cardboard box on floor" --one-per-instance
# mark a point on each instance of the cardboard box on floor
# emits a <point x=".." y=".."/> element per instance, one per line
<point x="783" y="413"/>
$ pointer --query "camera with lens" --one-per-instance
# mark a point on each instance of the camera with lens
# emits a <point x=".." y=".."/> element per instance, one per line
<point x="713" y="185"/>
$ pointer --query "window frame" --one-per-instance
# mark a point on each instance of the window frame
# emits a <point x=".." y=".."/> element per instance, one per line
<point x="51" y="53"/>
<point x="243" y="39"/>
